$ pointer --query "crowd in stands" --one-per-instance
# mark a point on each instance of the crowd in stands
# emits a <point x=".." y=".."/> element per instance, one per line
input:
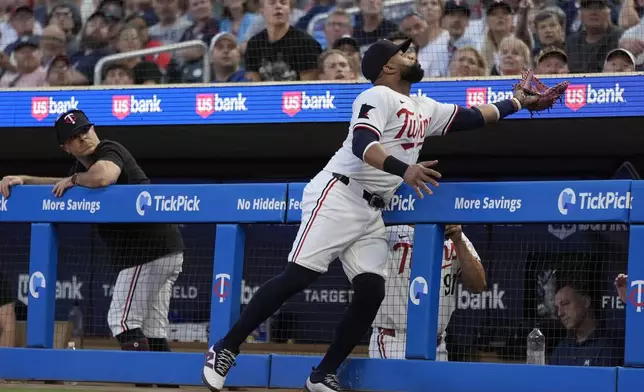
<point x="59" y="42"/>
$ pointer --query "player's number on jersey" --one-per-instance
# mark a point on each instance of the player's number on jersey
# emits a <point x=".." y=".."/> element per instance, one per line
<point x="405" y="255"/>
<point x="449" y="283"/>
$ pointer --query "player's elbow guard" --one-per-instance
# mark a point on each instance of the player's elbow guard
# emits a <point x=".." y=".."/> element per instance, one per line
<point x="362" y="139"/>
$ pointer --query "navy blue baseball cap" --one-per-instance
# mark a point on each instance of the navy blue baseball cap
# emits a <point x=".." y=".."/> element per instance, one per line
<point x="378" y="55"/>
<point x="70" y="124"/>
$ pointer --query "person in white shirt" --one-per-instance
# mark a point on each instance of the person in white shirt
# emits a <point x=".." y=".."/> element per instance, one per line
<point x="461" y="262"/>
<point x="342" y="205"/>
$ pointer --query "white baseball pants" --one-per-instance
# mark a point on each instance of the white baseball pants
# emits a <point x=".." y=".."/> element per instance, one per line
<point x="141" y="297"/>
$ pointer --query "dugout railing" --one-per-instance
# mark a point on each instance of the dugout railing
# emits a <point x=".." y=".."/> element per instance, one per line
<point x="232" y="206"/>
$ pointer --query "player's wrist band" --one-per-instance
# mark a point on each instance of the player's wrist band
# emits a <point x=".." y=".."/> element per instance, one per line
<point x="507" y="107"/>
<point x="394" y="166"/>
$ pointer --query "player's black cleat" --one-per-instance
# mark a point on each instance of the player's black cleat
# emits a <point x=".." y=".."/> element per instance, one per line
<point x="218" y="363"/>
<point x="322" y="383"/>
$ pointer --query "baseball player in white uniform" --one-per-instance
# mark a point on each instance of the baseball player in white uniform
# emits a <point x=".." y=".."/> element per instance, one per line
<point x="460" y="262"/>
<point x="341" y="206"/>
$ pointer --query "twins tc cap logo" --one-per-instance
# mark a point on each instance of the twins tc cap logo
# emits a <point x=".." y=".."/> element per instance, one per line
<point x="222" y="286"/>
<point x="36" y="282"/>
<point x="142" y="201"/>
<point x="567" y="199"/>
<point x="417" y="287"/>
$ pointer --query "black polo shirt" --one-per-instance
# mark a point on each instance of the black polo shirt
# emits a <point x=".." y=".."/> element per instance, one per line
<point x="132" y="244"/>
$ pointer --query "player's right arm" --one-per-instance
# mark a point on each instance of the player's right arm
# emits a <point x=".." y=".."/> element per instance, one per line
<point x="371" y="112"/>
<point x="7" y="182"/>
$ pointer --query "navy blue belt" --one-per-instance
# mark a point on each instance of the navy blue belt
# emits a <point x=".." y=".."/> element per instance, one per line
<point x="374" y="201"/>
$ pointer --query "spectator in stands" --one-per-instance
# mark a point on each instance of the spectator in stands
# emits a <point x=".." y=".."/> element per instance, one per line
<point x="225" y="57"/>
<point x="29" y="72"/>
<point x="129" y="42"/>
<point x="550" y="26"/>
<point x="52" y="43"/>
<point x="467" y="62"/>
<point x="259" y="24"/>
<point x="114" y="16"/>
<point x="349" y="46"/>
<point x="514" y="56"/>
<point x="585" y="345"/>
<point x="93" y="46"/>
<point x="500" y="23"/>
<point x="67" y="16"/>
<point x="204" y="28"/>
<point x="237" y="19"/>
<point x="456" y="19"/>
<point x="335" y="65"/>
<point x="60" y="72"/>
<point x="21" y="23"/>
<point x="633" y="41"/>
<point x="552" y="61"/>
<point x="7" y="315"/>
<point x="118" y="74"/>
<point x="370" y="24"/>
<point x="338" y="24"/>
<point x="619" y="60"/>
<point x="281" y="52"/>
<point x="588" y="48"/>
<point x="430" y="38"/>
<point x="147" y="72"/>
<point x="171" y="24"/>
<point x="162" y="59"/>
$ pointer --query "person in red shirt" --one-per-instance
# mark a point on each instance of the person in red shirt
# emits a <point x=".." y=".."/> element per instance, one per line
<point x="162" y="59"/>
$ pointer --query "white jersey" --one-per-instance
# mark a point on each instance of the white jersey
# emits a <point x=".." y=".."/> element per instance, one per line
<point x="393" y="311"/>
<point x="401" y="123"/>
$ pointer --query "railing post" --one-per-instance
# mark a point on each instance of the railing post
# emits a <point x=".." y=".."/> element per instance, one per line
<point x="227" y="277"/>
<point x="634" y="309"/>
<point x="43" y="266"/>
<point x="424" y="289"/>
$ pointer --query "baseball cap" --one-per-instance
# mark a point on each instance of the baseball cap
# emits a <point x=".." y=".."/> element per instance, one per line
<point x="221" y="36"/>
<point x="71" y="123"/>
<point x="57" y="58"/>
<point x="623" y="52"/>
<point x="499" y="4"/>
<point x="346" y="40"/>
<point x="587" y="3"/>
<point x="378" y="55"/>
<point x="552" y="51"/>
<point x="27" y="40"/>
<point x="22" y="8"/>
<point x="454" y="6"/>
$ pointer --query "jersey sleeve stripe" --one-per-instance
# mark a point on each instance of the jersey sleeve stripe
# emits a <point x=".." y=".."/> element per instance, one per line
<point x="451" y="120"/>
<point x="367" y="148"/>
<point x="369" y="127"/>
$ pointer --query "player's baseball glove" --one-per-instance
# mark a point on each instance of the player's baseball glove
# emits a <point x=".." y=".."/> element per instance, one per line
<point x="534" y="95"/>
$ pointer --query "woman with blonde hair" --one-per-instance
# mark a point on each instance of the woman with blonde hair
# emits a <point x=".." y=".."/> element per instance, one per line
<point x="467" y="62"/>
<point x="514" y="56"/>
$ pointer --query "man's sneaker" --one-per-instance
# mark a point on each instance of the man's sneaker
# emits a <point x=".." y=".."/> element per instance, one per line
<point x="323" y="383"/>
<point x="218" y="363"/>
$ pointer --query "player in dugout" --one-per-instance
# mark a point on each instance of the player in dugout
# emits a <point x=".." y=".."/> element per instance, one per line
<point x="461" y="263"/>
<point x="149" y="256"/>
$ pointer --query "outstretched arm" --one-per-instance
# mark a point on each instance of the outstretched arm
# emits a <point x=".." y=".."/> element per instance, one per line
<point x="468" y="119"/>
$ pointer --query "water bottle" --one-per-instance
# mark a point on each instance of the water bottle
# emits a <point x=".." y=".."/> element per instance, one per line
<point x="71" y="346"/>
<point x="536" y="353"/>
<point x="76" y="323"/>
